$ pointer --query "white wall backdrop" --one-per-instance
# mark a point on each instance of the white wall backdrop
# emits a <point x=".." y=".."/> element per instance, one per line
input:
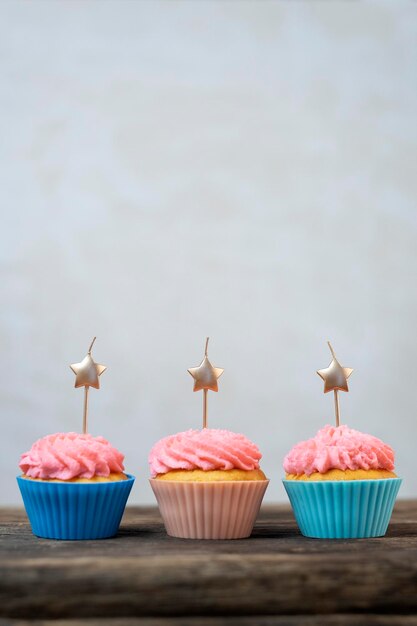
<point x="171" y="170"/>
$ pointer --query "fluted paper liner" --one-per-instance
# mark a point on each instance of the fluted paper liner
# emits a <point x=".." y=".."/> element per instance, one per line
<point x="209" y="510"/>
<point x="345" y="509"/>
<point x="75" y="510"/>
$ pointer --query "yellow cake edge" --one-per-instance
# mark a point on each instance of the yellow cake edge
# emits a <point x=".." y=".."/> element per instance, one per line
<point x="204" y="476"/>
<point x="113" y="477"/>
<point x="338" y="474"/>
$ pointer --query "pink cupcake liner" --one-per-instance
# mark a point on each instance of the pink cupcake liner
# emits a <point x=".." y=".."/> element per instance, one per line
<point x="211" y="510"/>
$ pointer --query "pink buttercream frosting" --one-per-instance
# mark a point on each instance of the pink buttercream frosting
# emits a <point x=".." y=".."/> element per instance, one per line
<point x="207" y="449"/>
<point x="339" y="448"/>
<point x="71" y="455"/>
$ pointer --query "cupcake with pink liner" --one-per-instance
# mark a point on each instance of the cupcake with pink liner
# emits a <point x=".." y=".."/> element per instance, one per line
<point x="73" y="485"/>
<point x="341" y="483"/>
<point x="208" y="483"/>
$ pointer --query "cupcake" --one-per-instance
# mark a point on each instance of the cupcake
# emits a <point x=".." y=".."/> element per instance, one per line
<point x="208" y="483"/>
<point x="341" y="484"/>
<point x="74" y="486"/>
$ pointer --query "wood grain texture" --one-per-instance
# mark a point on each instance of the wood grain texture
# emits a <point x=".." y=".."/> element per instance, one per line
<point x="142" y="573"/>
<point x="279" y="620"/>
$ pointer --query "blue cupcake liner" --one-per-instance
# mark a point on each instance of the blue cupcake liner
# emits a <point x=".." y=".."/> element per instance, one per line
<point x="75" y="510"/>
<point x="344" y="509"/>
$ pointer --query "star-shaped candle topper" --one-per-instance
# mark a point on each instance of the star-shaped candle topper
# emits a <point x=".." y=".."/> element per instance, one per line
<point x="88" y="371"/>
<point x="335" y="376"/>
<point x="205" y="378"/>
<point x="205" y="375"/>
<point x="335" y="379"/>
<point x="87" y="375"/>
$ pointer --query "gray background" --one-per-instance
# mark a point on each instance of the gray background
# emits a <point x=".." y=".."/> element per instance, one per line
<point x="245" y="170"/>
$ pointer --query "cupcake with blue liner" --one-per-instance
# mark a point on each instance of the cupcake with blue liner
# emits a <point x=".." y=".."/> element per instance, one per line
<point x="341" y="483"/>
<point x="74" y="485"/>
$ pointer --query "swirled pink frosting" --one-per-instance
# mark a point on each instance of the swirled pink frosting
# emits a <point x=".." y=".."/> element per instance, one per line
<point x="71" y="455"/>
<point x="207" y="449"/>
<point x="339" y="448"/>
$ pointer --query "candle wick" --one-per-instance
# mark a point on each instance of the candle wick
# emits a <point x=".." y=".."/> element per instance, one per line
<point x="91" y="346"/>
<point x="206" y="348"/>
<point x="331" y="349"/>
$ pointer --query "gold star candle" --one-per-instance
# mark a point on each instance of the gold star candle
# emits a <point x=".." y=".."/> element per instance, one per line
<point x="87" y="375"/>
<point x="335" y="379"/>
<point x="205" y="378"/>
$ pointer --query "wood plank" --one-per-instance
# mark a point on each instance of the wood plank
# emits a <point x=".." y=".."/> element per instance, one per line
<point x="275" y="528"/>
<point x="144" y="573"/>
<point x="354" y="619"/>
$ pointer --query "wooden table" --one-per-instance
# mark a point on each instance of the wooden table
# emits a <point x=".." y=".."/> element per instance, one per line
<point x="144" y="577"/>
